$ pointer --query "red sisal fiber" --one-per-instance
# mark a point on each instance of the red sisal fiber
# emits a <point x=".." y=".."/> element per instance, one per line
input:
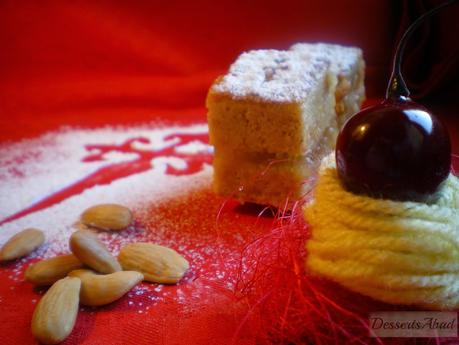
<point x="284" y="304"/>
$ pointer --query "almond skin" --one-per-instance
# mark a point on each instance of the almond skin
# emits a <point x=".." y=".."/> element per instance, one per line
<point x="92" y="252"/>
<point x="55" y="315"/>
<point x="47" y="272"/>
<point x="101" y="289"/>
<point x="158" y="264"/>
<point x="107" y="217"/>
<point x="22" y="244"/>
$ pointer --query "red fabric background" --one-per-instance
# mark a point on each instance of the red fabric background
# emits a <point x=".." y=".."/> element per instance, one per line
<point x="88" y="63"/>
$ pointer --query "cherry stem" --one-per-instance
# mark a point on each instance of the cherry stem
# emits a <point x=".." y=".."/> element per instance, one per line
<point x="397" y="89"/>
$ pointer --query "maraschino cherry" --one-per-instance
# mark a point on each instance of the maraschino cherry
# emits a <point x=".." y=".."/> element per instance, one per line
<point x="397" y="149"/>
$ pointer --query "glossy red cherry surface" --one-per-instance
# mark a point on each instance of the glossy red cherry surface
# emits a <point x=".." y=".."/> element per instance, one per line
<point x="395" y="150"/>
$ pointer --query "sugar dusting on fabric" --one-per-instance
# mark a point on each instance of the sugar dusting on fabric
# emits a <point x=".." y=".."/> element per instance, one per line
<point x="33" y="169"/>
<point x="246" y="283"/>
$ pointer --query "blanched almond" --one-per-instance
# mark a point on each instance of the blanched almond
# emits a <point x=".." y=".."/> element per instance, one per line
<point x="158" y="264"/>
<point x="46" y="272"/>
<point x="22" y="244"/>
<point x="107" y="217"/>
<point x="55" y="315"/>
<point x="92" y="252"/>
<point x="100" y="289"/>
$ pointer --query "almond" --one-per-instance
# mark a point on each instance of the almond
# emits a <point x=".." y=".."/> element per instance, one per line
<point x="55" y="315"/>
<point x="158" y="264"/>
<point x="92" y="252"/>
<point x="107" y="217"/>
<point x="46" y="272"/>
<point x="21" y="244"/>
<point x="97" y="289"/>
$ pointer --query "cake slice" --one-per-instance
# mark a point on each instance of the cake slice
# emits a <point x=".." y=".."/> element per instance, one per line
<point x="266" y="102"/>
<point x="271" y="120"/>
<point x="349" y="67"/>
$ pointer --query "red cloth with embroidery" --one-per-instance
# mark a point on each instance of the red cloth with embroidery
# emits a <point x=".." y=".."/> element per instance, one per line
<point x="89" y="64"/>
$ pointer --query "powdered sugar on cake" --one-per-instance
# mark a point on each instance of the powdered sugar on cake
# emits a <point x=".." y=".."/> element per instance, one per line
<point x="342" y="59"/>
<point x="272" y="75"/>
<point x="286" y="76"/>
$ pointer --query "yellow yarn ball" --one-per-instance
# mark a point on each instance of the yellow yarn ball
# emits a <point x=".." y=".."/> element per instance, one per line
<point x="395" y="252"/>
